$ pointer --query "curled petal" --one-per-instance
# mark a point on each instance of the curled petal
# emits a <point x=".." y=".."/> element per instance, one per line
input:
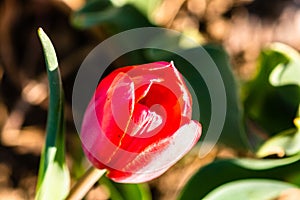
<point x="160" y="156"/>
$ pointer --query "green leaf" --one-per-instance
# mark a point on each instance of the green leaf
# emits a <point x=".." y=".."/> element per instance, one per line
<point x="53" y="178"/>
<point x="223" y="171"/>
<point x="145" y="7"/>
<point x="233" y="133"/>
<point x="271" y="109"/>
<point x="94" y="6"/>
<point x="286" y="73"/>
<point x="113" y="19"/>
<point x="286" y="143"/>
<point x="50" y="56"/>
<point x="264" y="164"/>
<point x="120" y="191"/>
<point x="249" y="189"/>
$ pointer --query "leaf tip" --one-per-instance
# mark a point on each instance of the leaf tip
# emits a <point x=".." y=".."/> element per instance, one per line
<point x="40" y="31"/>
<point x="49" y="51"/>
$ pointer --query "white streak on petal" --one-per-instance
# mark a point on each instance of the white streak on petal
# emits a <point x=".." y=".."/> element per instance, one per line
<point x="176" y="147"/>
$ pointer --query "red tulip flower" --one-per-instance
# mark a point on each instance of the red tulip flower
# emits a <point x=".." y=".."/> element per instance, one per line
<point x="138" y="123"/>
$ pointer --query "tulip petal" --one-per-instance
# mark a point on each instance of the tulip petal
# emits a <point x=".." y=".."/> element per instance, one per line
<point x="99" y="126"/>
<point x="159" y="157"/>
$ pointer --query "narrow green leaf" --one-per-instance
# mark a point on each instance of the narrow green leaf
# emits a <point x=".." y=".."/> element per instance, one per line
<point x="53" y="179"/>
<point x="49" y="51"/>
<point x="249" y="189"/>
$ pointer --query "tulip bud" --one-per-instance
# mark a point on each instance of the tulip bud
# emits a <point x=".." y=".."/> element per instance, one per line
<point x="138" y="123"/>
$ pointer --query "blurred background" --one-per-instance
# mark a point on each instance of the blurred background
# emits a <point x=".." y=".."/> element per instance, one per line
<point x="241" y="27"/>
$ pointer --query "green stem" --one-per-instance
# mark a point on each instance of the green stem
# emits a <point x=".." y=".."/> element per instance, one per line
<point x="85" y="183"/>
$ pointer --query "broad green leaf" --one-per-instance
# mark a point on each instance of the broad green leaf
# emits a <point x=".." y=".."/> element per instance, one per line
<point x="286" y="73"/>
<point x="112" y="18"/>
<point x="249" y="189"/>
<point x="270" y="109"/>
<point x="223" y="171"/>
<point x="265" y="164"/>
<point x="145" y="7"/>
<point x="94" y="6"/>
<point x="233" y="133"/>
<point x="286" y="143"/>
<point x="53" y="178"/>
<point x="120" y="191"/>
